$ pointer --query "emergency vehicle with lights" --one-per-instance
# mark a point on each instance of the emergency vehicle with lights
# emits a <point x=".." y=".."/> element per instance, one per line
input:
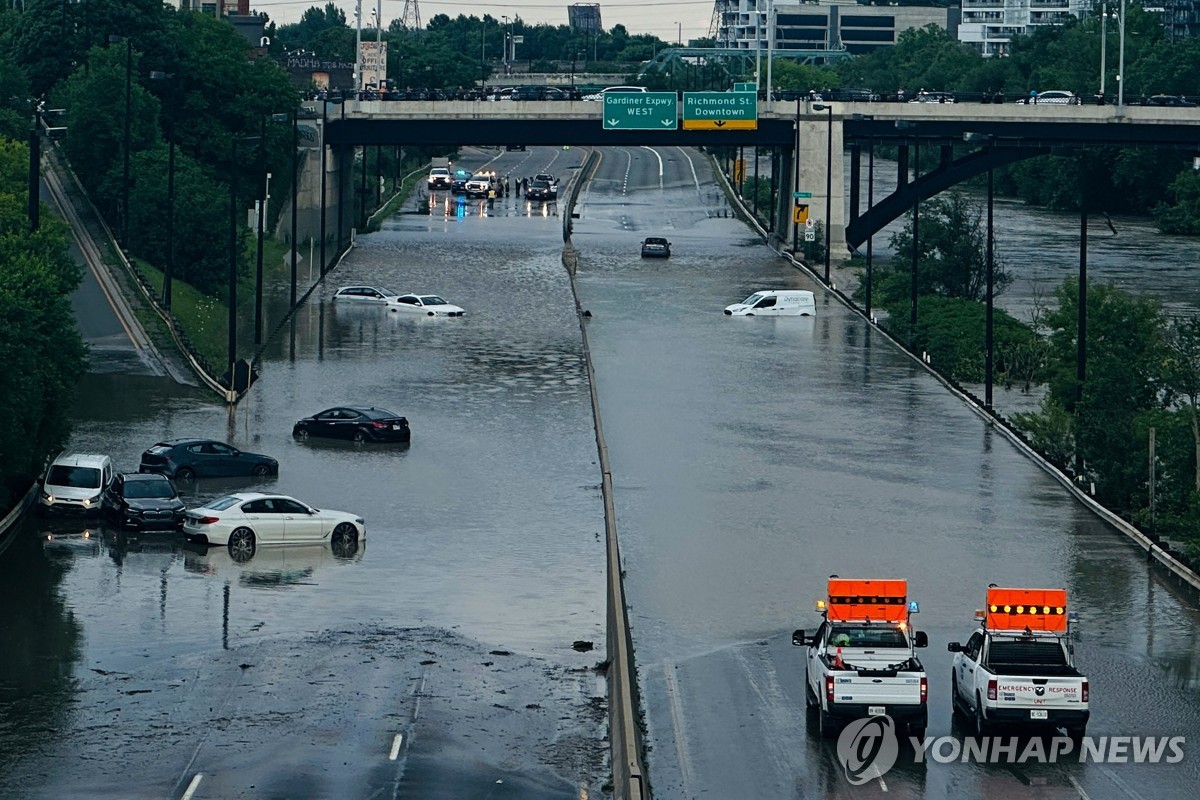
<point x="1018" y="666"/>
<point x="861" y="661"/>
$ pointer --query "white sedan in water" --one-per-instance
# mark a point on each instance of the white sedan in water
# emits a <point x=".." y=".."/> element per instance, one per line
<point x="429" y="305"/>
<point x="245" y="520"/>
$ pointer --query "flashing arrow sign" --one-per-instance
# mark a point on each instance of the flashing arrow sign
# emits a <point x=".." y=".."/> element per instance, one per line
<point x="646" y="111"/>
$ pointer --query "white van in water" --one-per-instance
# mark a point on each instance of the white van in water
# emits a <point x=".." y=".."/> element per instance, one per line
<point x="74" y="483"/>
<point x="765" y="303"/>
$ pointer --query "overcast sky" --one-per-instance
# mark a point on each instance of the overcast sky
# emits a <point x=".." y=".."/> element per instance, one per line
<point x="662" y="18"/>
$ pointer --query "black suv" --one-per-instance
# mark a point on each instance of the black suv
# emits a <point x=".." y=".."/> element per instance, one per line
<point x="143" y="501"/>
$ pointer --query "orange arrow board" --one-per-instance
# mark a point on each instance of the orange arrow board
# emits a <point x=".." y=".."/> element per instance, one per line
<point x="1018" y="609"/>
<point x="852" y="600"/>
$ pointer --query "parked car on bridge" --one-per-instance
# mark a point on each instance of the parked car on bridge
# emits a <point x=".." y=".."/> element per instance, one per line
<point x="426" y="305"/>
<point x="184" y="459"/>
<point x="355" y="424"/>
<point x="244" y="521"/>
<point x="1168" y="100"/>
<point x="599" y="96"/>
<point x="933" y="97"/>
<point x="656" y="247"/>
<point x="1056" y="97"/>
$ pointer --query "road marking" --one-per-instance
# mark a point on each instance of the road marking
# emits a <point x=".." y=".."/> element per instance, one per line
<point x="396" y="742"/>
<point x="695" y="177"/>
<point x="882" y="785"/>
<point x="685" y="769"/>
<point x="660" y="165"/>
<point x="1082" y="794"/>
<point x="193" y="786"/>
<point x="628" y="167"/>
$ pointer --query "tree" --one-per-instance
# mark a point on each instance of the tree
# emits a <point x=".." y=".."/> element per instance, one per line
<point x="952" y="255"/>
<point x="1182" y="216"/>
<point x="1182" y="339"/>
<point x="1124" y="380"/>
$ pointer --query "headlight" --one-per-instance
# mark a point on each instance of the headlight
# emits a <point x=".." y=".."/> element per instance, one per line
<point x="47" y="496"/>
<point x="88" y="501"/>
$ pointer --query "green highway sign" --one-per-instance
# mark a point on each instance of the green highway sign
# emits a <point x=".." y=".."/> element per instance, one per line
<point x="643" y="111"/>
<point x="801" y="195"/>
<point x="745" y="87"/>
<point x="720" y="111"/>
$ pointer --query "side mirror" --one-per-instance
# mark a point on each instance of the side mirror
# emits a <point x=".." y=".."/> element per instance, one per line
<point x="954" y="647"/>
<point x="921" y="639"/>
<point x="798" y="639"/>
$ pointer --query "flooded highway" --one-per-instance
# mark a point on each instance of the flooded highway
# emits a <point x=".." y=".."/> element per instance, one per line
<point x="457" y="652"/>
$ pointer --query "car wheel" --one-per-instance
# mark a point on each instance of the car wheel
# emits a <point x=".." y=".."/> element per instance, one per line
<point x="982" y="726"/>
<point x="825" y="725"/>
<point x="810" y="699"/>
<point x="185" y="474"/>
<point x="242" y="544"/>
<point x="360" y="436"/>
<point x="260" y="470"/>
<point x="344" y="534"/>
<point x="300" y="433"/>
<point x="955" y="705"/>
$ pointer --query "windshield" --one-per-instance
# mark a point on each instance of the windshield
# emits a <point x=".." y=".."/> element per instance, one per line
<point x="432" y="300"/>
<point x="752" y="299"/>
<point x="149" y="489"/>
<point x="74" y="477"/>
<point x="867" y="636"/>
<point x="386" y="292"/>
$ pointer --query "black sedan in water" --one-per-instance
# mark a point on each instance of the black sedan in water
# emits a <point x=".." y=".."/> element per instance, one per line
<point x="184" y="459"/>
<point x="356" y="424"/>
<point x="143" y="501"/>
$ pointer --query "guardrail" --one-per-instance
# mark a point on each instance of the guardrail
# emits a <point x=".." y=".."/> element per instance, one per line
<point x="629" y="778"/>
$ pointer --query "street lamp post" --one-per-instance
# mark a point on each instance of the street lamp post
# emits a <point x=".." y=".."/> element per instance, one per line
<point x="233" y="261"/>
<point x="1121" y="60"/>
<point x="1103" y="46"/>
<point x="989" y="297"/>
<point x="828" y="181"/>
<point x="35" y="168"/>
<point x="169" y="267"/>
<point x="796" y="180"/>
<point x="114" y="39"/>
<point x="295" y="197"/>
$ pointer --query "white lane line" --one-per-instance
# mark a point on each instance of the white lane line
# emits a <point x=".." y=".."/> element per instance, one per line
<point x="882" y="785"/>
<point x="685" y="769"/>
<point x="660" y="164"/>
<point x="628" y="167"/>
<point x="692" y="164"/>
<point x="1082" y="794"/>
<point x="395" y="751"/>
<point x="193" y="786"/>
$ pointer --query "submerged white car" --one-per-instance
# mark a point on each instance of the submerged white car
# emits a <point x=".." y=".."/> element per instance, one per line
<point x="365" y="294"/>
<point x="245" y="520"/>
<point x="429" y="305"/>
<point x="768" y="303"/>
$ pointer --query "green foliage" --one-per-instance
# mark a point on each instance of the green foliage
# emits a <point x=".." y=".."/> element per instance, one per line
<point x="39" y="344"/>
<point x="951" y="331"/>
<point x="1182" y="215"/>
<point x="951" y="260"/>
<point x="1125" y="357"/>
<point x="1051" y="431"/>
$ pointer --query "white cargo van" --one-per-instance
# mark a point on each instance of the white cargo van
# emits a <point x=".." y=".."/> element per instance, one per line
<point x="783" y="303"/>
<point x="75" y="482"/>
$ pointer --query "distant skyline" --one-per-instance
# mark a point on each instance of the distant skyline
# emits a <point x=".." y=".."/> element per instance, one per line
<point x="663" y="19"/>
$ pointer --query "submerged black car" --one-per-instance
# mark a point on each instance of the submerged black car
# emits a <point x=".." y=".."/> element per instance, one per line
<point x="184" y="459"/>
<point x="144" y="501"/>
<point x="355" y="424"/>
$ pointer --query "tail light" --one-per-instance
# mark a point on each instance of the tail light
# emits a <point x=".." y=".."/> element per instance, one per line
<point x="207" y="520"/>
<point x="1084" y="693"/>
<point x="829" y="688"/>
<point x="378" y="425"/>
<point x="924" y="689"/>
<point x="991" y="690"/>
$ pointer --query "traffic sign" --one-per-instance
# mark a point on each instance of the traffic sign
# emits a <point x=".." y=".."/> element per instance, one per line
<point x="745" y="87"/>
<point x="643" y="111"/>
<point x="801" y="195"/>
<point x="720" y="111"/>
<point x="800" y="214"/>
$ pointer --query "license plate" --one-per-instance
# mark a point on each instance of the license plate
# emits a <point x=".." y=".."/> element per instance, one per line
<point x="876" y="711"/>
<point x="1038" y="713"/>
<point x="395" y="427"/>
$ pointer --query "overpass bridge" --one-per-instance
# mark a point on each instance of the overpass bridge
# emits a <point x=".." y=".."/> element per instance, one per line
<point x="803" y="136"/>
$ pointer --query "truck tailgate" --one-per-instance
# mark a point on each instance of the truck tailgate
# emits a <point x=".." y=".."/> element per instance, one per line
<point x="1039" y="693"/>
<point x="903" y="689"/>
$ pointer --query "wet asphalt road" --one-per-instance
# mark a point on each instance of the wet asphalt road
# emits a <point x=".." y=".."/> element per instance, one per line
<point x="752" y="458"/>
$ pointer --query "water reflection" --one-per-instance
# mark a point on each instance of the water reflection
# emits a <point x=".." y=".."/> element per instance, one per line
<point x="270" y="567"/>
<point x="42" y="642"/>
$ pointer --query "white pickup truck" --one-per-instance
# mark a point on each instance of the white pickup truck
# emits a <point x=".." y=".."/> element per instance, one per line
<point x="861" y="662"/>
<point x="1018" y="666"/>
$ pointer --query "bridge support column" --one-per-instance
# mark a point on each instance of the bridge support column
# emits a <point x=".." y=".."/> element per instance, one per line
<point x="815" y="136"/>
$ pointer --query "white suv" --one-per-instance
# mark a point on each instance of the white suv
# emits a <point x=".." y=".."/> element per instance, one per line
<point x="74" y="483"/>
<point x="599" y="96"/>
